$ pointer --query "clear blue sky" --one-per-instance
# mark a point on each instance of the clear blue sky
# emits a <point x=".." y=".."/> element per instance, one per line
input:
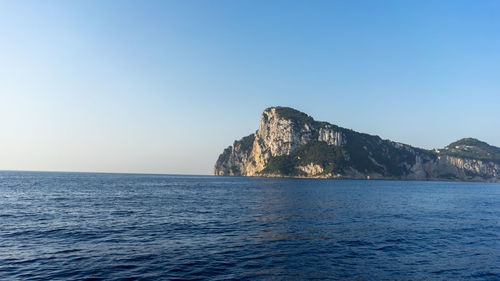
<point x="165" y="86"/>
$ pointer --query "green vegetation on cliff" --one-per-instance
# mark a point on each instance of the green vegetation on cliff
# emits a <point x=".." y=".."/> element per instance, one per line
<point x="372" y="154"/>
<point x="330" y="158"/>
<point x="473" y="149"/>
<point x="293" y="114"/>
<point x="365" y="153"/>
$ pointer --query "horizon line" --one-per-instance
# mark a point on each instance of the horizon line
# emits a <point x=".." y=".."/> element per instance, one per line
<point x="101" y="172"/>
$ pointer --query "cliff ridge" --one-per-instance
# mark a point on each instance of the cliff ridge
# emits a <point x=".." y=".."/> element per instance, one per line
<point x="290" y="143"/>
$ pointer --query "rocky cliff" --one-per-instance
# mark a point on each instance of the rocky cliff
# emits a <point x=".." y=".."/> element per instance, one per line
<point x="291" y="143"/>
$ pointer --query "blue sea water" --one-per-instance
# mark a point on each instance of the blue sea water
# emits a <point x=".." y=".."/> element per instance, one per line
<point x="74" y="226"/>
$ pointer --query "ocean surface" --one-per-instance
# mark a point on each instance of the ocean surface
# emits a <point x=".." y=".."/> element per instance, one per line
<point x="76" y="226"/>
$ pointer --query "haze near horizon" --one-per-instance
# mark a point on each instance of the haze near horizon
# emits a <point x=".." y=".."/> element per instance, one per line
<point x="165" y="86"/>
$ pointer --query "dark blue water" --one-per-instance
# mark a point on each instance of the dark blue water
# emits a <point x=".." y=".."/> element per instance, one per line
<point x="64" y="226"/>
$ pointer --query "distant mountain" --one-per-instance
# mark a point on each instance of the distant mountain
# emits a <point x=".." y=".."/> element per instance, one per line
<point x="290" y="143"/>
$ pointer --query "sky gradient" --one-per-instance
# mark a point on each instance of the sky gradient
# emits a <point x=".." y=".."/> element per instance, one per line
<point x="165" y="86"/>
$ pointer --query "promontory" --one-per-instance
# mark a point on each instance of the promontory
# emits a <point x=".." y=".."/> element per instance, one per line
<point x="290" y="143"/>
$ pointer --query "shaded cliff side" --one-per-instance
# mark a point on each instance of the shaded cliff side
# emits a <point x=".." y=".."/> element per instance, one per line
<point x="291" y="143"/>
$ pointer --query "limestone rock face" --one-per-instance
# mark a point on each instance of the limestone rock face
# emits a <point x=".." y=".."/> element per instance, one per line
<point x="330" y="136"/>
<point x="291" y="143"/>
<point x="277" y="135"/>
<point x="235" y="159"/>
<point x="468" y="168"/>
<point x="311" y="169"/>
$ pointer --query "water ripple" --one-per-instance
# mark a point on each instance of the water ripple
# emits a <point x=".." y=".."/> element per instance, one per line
<point x="84" y="226"/>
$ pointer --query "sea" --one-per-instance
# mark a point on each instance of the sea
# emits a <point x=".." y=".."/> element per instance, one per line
<point x="94" y="226"/>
